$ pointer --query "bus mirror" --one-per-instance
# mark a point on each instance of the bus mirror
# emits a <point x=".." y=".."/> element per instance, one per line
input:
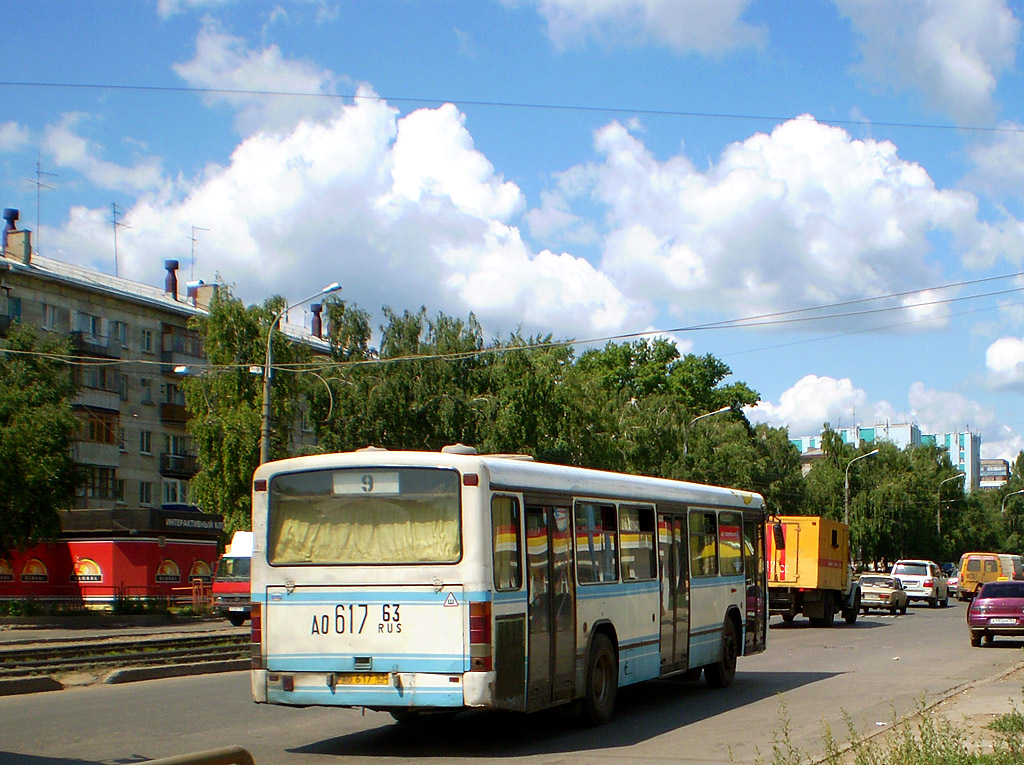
<point x="780" y="538"/>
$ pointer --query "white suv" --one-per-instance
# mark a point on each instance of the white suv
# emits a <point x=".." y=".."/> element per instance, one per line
<point x="923" y="580"/>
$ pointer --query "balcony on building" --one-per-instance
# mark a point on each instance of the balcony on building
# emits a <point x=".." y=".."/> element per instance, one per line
<point x="96" y="453"/>
<point x="87" y="344"/>
<point x="173" y="414"/>
<point x="178" y="465"/>
<point x="179" y="347"/>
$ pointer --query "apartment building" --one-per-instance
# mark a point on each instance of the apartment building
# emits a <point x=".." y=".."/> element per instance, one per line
<point x="964" y="447"/>
<point x="133" y="445"/>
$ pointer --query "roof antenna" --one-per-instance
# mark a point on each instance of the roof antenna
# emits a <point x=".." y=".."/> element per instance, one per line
<point x="114" y="210"/>
<point x="38" y="183"/>
<point x="192" y="263"/>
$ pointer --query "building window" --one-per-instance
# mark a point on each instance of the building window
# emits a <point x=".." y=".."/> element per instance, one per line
<point x="119" y="491"/>
<point x="146" y="441"/>
<point x="146" y="340"/>
<point x="98" y="483"/>
<point x="89" y="324"/>
<point x="120" y="439"/>
<point x="145" y="493"/>
<point x="180" y="445"/>
<point x="119" y="332"/>
<point x="173" y="394"/>
<point x="181" y="340"/>
<point x="99" y="427"/>
<point x="147" y="390"/>
<point x="49" y="316"/>
<point x="175" y="491"/>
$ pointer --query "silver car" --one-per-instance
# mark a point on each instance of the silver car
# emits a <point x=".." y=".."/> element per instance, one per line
<point x="923" y="580"/>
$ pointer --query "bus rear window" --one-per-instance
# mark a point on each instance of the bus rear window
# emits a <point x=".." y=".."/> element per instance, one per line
<point x="364" y="516"/>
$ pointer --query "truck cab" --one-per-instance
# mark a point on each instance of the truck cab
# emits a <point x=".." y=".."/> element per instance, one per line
<point x="231" y="596"/>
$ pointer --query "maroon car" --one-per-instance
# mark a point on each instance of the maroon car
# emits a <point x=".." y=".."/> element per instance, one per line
<point x="997" y="609"/>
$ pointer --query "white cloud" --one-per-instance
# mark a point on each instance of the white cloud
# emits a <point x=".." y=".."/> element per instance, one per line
<point x="69" y="149"/>
<point x="1004" y="360"/>
<point x="433" y="159"/>
<point x="682" y="25"/>
<point x="999" y="163"/>
<point x="403" y="212"/>
<point x="938" y="411"/>
<point x="799" y="217"/>
<point x="813" y="401"/>
<point x="951" y="51"/>
<point x="167" y="8"/>
<point x="13" y="137"/>
<point x="926" y="309"/>
<point x="248" y="80"/>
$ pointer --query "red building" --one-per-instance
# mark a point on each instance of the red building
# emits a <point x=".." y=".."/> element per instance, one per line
<point x="103" y="555"/>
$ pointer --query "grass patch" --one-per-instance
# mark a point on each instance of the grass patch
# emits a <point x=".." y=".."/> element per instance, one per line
<point x="929" y="740"/>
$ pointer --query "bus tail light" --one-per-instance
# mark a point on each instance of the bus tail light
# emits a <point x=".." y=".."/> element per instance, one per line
<point x="480" y="636"/>
<point x="256" y="636"/>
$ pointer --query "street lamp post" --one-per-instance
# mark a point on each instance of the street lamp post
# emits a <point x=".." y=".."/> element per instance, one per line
<point x="268" y="367"/>
<point x="686" y="430"/>
<point x="938" y="513"/>
<point x="846" y="485"/>
<point x="1002" y="507"/>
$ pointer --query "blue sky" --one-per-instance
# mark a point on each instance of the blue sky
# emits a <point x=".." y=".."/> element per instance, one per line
<point x="584" y="168"/>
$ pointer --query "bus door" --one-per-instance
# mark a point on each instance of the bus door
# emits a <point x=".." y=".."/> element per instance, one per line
<point x="757" y="594"/>
<point x="675" y="592"/>
<point x="551" y="635"/>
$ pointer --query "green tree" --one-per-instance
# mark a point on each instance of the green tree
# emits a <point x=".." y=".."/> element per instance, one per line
<point x="36" y="430"/>
<point x="225" y="401"/>
<point x="416" y="392"/>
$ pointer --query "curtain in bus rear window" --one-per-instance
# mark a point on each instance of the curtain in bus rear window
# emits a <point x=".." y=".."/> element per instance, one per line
<point x="310" y="524"/>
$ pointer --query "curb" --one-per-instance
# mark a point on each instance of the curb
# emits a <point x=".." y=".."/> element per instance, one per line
<point x="136" y="674"/>
<point x="24" y="685"/>
<point x="29" y="685"/>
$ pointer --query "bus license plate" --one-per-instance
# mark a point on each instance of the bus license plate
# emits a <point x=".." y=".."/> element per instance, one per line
<point x="375" y="678"/>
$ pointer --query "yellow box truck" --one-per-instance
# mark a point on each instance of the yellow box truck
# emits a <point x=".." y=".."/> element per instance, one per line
<point x="811" y="573"/>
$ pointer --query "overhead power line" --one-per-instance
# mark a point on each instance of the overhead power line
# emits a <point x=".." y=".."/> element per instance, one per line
<point x="765" y="320"/>
<point x="603" y="109"/>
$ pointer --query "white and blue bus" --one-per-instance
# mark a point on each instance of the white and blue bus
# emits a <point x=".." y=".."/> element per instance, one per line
<point x="419" y="582"/>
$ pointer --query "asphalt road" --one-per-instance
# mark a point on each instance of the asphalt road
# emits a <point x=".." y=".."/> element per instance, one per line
<point x="881" y="667"/>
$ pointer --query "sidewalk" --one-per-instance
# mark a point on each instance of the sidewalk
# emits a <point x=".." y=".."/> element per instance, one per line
<point x="971" y="708"/>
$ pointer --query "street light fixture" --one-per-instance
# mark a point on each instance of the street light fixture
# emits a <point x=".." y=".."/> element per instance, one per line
<point x="938" y="514"/>
<point x="846" y="485"/>
<point x="268" y="367"/>
<point x="686" y="430"/>
<point x="1002" y="507"/>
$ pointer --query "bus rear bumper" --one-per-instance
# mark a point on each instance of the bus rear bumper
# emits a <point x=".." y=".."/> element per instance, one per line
<point x="402" y="690"/>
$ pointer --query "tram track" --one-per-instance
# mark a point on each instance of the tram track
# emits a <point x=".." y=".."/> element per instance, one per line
<point x="97" y="656"/>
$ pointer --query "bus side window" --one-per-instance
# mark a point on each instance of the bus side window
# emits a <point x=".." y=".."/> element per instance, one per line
<point x="505" y="528"/>
<point x="596" y="553"/>
<point x="703" y="544"/>
<point x="730" y="531"/>
<point x="636" y="542"/>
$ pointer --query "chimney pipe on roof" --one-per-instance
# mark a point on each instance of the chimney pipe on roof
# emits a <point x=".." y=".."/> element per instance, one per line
<point x="192" y="289"/>
<point x="317" y="325"/>
<point x="11" y="216"/>
<point x="171" y="280"/>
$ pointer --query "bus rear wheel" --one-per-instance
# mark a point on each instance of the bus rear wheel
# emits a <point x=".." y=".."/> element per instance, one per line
<point x="723" y="672"/>
<point x="602" y="682"/>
